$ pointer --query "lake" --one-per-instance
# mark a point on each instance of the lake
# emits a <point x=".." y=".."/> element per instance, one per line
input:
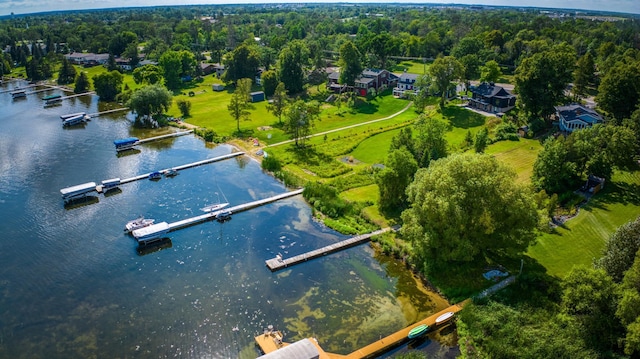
<point x="74" y="285"/>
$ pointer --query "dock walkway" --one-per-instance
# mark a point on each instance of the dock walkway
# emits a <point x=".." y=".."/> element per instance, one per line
<point x="175" y="134"/>
<point x="235" y="209"/>
<point x="18" y="88"/>
<point x="92" y="115"/>
<point x="279" y="263"/>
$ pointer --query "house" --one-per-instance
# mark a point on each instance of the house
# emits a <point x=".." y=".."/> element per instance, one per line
<point x="333" y="78"/>
<point x="87" y="59"/>
<point x="218" y="69"/>
<point x="257" y="96"/>
<point x="124" y="64"/>
<point x="206" y="68"/>
<point x="574" y="117"/>
<point x="406" y="85"/>
<point x="490" y="97"/>
<point x="258" y="77"/>
<point x="368" y="79"/>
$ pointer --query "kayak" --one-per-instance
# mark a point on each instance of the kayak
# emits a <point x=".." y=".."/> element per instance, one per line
<point x="418" y="331"/>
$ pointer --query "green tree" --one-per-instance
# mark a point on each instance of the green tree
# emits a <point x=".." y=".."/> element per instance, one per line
<point x="240" y="103"/>
<point x="444" y="70"/>
<point x="542" y="78"/>
<point x="108" y="85"/>
<point x="185" y="107"/>
<point x="584" y="75"/>
<point x="471" y="64"/>
<point x="120" y="42"/>
<point x="430" y="143"/>
<point x="171" y="65"/>
<point x="67" y="73"/>
<point x="620" y="250"/>
<point x="148" y="102"/>
<point x="131" y="53"/>
<point x="393" y="180"/>
<point x="291" y="64"/>
<point x="350" y="64"/>
<point x="278" y="102"/>
<point x="111" y="63"/>
<point x="242" y="62"/>
<point x="628" y="310"/>
<point x="619" y="90"/>
<point x="404" y="139"/>
<point x="465" y="207"/>
<point x="482" y="140"/>
<point x="553" y="170"/>
<point x="490" y="72"/>
<point x="147" y="74"/>
<point x="82" y="83"/>
<point x="269" y="82"/>
<point x="421" y="97"/>
<point x="300" y="117"/>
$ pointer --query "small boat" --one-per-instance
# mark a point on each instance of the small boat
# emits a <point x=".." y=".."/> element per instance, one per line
<point x="418" y="331"/>
<point x="170" y="172"/>
<point x="444" y="318"/>
<point x="214" y="207"/>
<point x="138" y="223"/>
<point x="51" y="97"/>
<point x="155" y="175"/>
<point x="223" y="216"/>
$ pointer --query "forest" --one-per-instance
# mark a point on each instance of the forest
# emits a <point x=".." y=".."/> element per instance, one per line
<point x="470" y="192"/>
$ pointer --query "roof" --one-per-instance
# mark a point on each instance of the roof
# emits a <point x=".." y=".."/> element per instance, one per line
<point x="406" y="77"/>
<point x="85" y="187"/>
<point x="125" y="141"/>
<point x="334" y="75"/>
<point x="576" y="112"/>
<point x="372" y="72"/>
<point x="150" y="230"/>
<point x="302" y="349"/>
<point x="257" y="93"/>
<point x="365" y="80"/>
<point x="491" y="90"/>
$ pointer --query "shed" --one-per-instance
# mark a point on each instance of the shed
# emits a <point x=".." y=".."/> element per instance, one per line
<point x="257" y="96"/>
<point x="303" y="349"/>
<point x="217" y="87"/>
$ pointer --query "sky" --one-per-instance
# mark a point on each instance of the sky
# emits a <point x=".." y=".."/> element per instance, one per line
<point x="34" y="6"/>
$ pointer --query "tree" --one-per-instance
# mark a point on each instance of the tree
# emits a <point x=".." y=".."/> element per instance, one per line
<point x="67" y="73"/>
<point x="620" y="250"/>
<point x="291" y="64"/>
<point x="382" y="46"/>
<point x="392" y="181"/>
<point x="490" y="72"/>
<point x="278" y="102"/>
<point x="465" y="207"/>
<point x="350" y="64"/>
<point x="120" y="42"/>
<point x="82" y="83"/>
<point x="147" y="74"/>
<point x="542" y="78"/>
<point x="583" y="76"/>
<point x="131" y="53"/>
<point x="471" y="64"/>
<point x="269" y="81"/>
<point x="108" y="85"/>
<point x="242" y="62"/>
<point x="619" y="90"/>
<point x="421" y="97"/>
<point x="185" y="107"/>
<point x="171" y="65"/>
<point x="404" y="139"/>
<point x="628" y="310"/>
<point x="299" y="120"/>
<point x="148" y="102"/>
<point x="430" y="143"/>
<point x="482" y="140"/>
<point x="553" y="170"/>
<point x="240" y="103"/>
<point x="111" y="63"/>
<point x="444" y="70"/>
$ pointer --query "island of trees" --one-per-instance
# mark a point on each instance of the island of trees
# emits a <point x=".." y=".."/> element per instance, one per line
<point x="471" y="190"/>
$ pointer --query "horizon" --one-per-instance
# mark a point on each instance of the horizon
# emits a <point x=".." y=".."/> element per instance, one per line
<point x="29" y="7"/>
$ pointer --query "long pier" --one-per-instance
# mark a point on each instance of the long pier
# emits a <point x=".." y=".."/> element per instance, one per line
<point x="92" y="115"/>
<point x="18" y="88"/>
<point x="235" y="209"/>
<point x="175" y="134"/>
<point x="279" y="263"/>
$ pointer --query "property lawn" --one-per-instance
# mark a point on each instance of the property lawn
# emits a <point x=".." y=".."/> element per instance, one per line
<point x="582" y="238"/>
<point x="462" y="121"/>
<point x="519" y="155"/>
<point x="374" y="149"/>
<point x="127" y="79"/>
<point x="411" y="66"/>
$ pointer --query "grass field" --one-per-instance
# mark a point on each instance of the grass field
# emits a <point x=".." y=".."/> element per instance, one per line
<point x="582" y="238"/>
<point x="519" y="155"/>
<point x="411" y="66"/>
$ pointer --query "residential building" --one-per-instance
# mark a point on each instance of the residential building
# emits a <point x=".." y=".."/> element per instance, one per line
<point x="369" y="79"/>
<point x="406" y="85"/>
<point x="490" y="97"/>
<point x="87" y="59"/>
<point x="575" y="117"/>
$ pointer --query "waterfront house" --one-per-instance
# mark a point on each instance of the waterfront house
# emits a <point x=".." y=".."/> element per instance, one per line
<point x="406" y="85"/>
<point x="369" y="79"/>
<point x="87" y="59"/>
<point x="575" y="117"/>
<point x="490" y="97"/>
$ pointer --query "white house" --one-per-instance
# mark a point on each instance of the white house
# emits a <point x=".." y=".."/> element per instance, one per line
<point x="575" y="117"/>
<point x="406" y="85"/>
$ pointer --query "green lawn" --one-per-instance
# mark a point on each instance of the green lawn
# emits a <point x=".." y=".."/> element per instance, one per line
<point x="519" y="155"/>
<point x="582" y="238"/>
<point x="369" y="192"/>
<point x="411" y="66"/>
<point x="462" y="121"/>
<point x="374" y="149"/>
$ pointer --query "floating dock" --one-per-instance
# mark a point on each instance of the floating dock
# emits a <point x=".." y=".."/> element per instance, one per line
<point x="279" y="263"/>
<point x="96" y="114"/>
<point x="128" y="143"/>
<point x="152" y="233"/>
<point x="18" y="88"/>
<point x="91" y="186"/>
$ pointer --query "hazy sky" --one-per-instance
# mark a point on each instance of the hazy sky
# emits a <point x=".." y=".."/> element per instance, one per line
<point x="31" y="6"/>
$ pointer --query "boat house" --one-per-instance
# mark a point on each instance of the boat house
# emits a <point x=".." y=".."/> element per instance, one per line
<point x="490" y="97"/>
<point x="18" y="94"/>
<point x="125" y="143"/>
<point x="151" y="234"/>
<point x="81" y="190"/>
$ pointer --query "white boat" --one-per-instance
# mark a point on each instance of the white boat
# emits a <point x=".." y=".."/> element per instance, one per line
<point x="171" y="172"/>
<point x="80" y="190"/>
<point x="444" y="317"/>
<point x="214" y="207"/>
<point x="138" y="223"/>
<point x="151" y="233"/>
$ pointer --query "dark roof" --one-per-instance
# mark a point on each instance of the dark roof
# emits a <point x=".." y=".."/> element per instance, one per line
<point x="334" y="75"/>
<point x="491" y="90"/>
<point x="365" y="80"/>
<point x="576" y="111"/>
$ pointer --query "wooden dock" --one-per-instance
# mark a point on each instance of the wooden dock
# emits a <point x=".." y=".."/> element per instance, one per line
<point x="235" y="209"/>
<point x="279" y="263"/>
<point x="175" y="134"/>
<point x="92" y="115"/>
<point x="18" y="88"/>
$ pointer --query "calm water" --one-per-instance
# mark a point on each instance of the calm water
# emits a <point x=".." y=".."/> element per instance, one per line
<point x="73" y="285"/>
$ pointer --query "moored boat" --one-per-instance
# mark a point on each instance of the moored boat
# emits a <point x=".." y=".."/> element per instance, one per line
<point x="155" y="175"/>
<point x="138" y="223"/>
<point x="223" y="216"/>
<point x="214" y="207"/>
<point x="418" y="331"/>
<point x="171" y="172"/>
<point x="444" y="318"/>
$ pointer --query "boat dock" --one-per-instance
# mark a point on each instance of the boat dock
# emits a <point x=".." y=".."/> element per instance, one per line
<point x="18" y="88"/>
<point x="235" y="209"/>
<point x="175" y="134"/>
<point x="279" y="263"/>
<point x="99" y="188"/>
<point x="268" y="345"/>
<point x="92" y="115"/>
<point x="129" y="143"/>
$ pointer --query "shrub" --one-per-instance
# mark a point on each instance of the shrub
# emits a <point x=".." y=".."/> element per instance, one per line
<point x="185" y="107"/>
<point x="507" y="131"/>
<point x="271" y="164"/>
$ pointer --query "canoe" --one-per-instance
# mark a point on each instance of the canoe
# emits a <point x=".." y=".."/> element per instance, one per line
<point x="418" y="331"/>
<point x="444" y="317"/>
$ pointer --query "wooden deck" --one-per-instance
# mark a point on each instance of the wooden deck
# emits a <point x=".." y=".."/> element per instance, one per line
<point x="175" y="134"/>
<point x="92" y="115"/>
<point x="279" y="263"/>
